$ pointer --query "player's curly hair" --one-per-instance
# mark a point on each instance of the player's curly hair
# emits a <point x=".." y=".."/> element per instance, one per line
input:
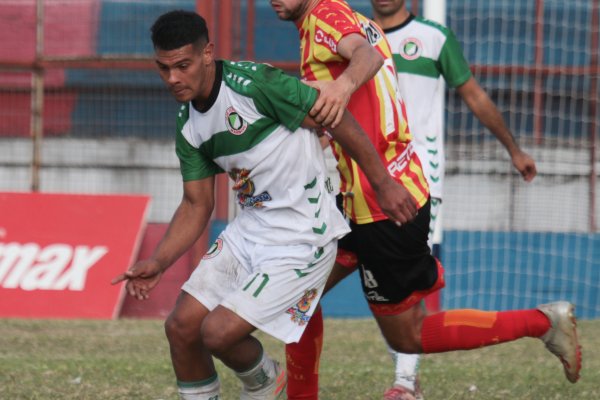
<point x="179" y="28"/>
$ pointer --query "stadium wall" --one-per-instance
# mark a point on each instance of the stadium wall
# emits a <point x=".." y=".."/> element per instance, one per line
<point x="111" y="131"/>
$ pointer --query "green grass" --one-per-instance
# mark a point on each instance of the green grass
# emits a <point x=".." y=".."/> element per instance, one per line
<point x="129" y="359"/>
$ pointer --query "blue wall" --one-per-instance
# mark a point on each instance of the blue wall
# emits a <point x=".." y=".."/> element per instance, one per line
<point x="502" y="271"/>
<point x="141" y="107"/>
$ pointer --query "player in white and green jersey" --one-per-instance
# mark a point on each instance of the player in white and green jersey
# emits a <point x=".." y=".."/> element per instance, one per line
<point x="267" y="270"/>
<point x="427" y="55"/>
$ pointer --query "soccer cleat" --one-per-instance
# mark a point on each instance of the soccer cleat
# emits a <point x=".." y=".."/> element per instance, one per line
<point x="561" y="338"/>
<point x="398" y="392"/>
<point x="273" y="389"/>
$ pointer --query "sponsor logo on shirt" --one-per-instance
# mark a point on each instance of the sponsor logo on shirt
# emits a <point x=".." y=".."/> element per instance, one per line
<point x="397" y="165"/>
<point x="245" y="189"/>
<point x="326" y="39"/>
<point x="411" y="48"/>
<point x="234" y="121"/>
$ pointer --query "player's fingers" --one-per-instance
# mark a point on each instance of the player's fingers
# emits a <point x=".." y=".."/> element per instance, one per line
<point x="324" y="115"/>
<point x="338" y="118"/>
<point x="316" y="108"/>
<point x="130" y="289"/>
<point x="118" y="279"/>
<point x="331" y="117"/>
<point x="138" y="292"/>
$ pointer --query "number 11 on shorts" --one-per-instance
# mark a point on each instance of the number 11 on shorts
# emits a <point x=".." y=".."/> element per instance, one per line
<point x="265" y="279"/>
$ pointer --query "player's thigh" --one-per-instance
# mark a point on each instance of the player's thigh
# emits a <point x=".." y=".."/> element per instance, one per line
<point x="338" y="273"/>
<point x="217" y="276"/>
<point x="282" y="292"/>
<point x="223" y="328"/>
<point x="395" y="262"/>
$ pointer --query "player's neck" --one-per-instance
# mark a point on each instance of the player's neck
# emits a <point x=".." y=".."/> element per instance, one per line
<point x="201" y="100"/>
<point x="390" y="21"/>
<point x="308" y="7"/>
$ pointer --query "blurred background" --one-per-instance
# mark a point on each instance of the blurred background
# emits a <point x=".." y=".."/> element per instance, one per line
<point x="82" y="110"/>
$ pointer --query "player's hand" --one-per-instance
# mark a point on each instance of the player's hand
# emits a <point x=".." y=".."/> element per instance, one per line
<point x="525" y="165"/>
<point x="142" y="277"/>
<point x="396" y="202"/>
<point x="333" y="99"/>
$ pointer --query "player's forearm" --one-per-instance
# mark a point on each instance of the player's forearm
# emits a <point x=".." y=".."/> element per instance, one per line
<point x="486" y="111"/>
<point x="357" y="145"/>
<point x="186" y="226"/>
<point x="364" y="63"/>
<point x="491" y="118"/>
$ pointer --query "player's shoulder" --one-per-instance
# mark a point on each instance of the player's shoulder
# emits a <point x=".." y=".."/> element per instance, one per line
<point x="432" y="26"/>
<point x="245" y="77"/>
<point x="330" y="6"/>
<point x="333" y="12"/>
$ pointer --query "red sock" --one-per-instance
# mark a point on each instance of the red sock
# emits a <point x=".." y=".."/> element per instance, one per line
<point x="470" y="329"/>
<point x="302" y="360"/>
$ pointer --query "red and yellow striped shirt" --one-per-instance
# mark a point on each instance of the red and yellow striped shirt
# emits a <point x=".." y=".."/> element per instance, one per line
<point x="376" y="106"/>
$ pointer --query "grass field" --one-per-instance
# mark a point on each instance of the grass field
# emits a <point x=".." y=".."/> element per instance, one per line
<point x="129" y="359"/>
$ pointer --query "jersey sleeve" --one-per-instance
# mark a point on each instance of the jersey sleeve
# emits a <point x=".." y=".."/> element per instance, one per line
<point x="333" y="21"/>
<point x="192" y="163"/>
<point x="282" y="97"/>
<point x="454" y="67"/>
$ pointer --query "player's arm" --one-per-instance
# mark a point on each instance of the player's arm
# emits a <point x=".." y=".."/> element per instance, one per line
<point x="364" y="62"/>
<point x="395" y="201"/>
<point x="485" y="110"/>
<point x="186" y="226"/>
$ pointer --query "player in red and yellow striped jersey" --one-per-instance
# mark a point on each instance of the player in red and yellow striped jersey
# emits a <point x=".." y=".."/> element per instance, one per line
<point x="375" y="105"/>
<point x="347" y="58"/>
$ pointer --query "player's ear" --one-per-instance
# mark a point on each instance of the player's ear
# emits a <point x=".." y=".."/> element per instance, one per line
<point x="208" y="53"/>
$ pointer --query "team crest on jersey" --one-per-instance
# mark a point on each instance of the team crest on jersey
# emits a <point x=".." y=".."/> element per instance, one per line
<point x="411" y="48"/>
<point x="299" y="310"/>
<point x="245" y="189"/>
<point x="214" y="249"/>
<point x="234" y="121"/>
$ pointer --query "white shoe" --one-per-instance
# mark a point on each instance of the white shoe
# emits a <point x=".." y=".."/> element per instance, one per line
<point x="561" y="338"/>
<point x="399" y="392"/>
<point x="273" y="389"/>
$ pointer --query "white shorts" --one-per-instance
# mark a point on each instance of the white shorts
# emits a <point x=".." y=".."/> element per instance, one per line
<point x="277" y="293"/>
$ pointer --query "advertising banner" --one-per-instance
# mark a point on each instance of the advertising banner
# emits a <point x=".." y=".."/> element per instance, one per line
<point x="59" y="252"/>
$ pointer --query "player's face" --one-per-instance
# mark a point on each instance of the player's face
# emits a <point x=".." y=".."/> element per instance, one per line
<point x="386" y="8"/>
<point x="289" y="10"/>
<point x="184" y="71"/>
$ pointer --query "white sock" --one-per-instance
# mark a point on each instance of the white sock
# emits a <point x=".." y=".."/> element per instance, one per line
<point x="406" y="366"/>
<point x="256" y="377"/>
<point x="208" y="389"/>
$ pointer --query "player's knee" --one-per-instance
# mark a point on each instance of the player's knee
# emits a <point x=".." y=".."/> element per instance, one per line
<point x="179" y="332"/>
<point x="408" y="344"/>
<point x="214" y="337"/>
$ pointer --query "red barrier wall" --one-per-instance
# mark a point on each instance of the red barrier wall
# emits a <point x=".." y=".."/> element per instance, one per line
<point x="163" y="296"/>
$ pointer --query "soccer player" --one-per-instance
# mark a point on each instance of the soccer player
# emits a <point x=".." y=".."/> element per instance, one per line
<point x="268" y="268"/>
<point x="397" y="269"/>
<point x="426" y="54"/>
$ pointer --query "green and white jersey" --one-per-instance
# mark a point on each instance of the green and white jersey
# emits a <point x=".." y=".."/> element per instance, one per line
<point x="250" y="128"/>
<point x="424" y="53"/>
